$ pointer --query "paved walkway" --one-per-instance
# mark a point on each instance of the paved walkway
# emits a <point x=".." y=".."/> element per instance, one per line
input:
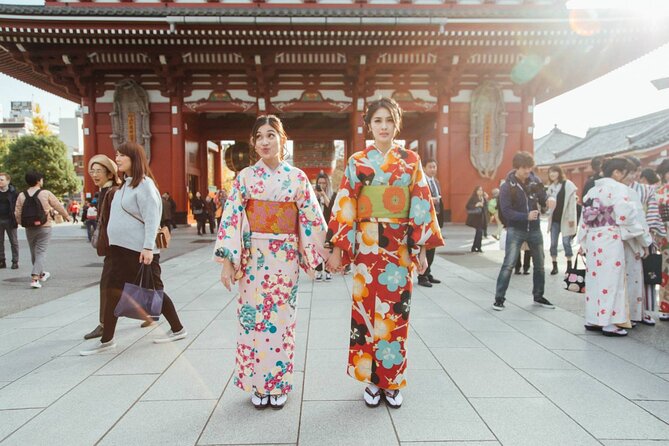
<point x="525" y="376"/>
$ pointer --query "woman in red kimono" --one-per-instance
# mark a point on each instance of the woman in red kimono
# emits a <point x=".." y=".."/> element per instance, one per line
<point x="382" y="221"/>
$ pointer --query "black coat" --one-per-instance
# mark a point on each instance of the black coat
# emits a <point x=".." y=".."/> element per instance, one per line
<point x="13" y="195"/>
<point x="477" y="219"/>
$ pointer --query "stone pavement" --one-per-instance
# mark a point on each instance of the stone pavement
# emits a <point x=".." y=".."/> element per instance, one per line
<point x="524" y="376"/>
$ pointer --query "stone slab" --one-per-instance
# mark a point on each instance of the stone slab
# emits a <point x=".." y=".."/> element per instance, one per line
<point x="515" y="422"/>
<point x="326" y="378"/>
<point x="11" y="420"/>
<point x="519" y="351"/>
<point x="76" y="419"/>
<point x="236" y="421"/>
<point x="658" y="408"/>
<point x="444" y="332"/>
<point x="161" y="423"/>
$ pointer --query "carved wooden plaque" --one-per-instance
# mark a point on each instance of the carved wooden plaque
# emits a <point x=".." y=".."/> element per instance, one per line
<point x="487" y="135"/>
<point x="130" y="117"/>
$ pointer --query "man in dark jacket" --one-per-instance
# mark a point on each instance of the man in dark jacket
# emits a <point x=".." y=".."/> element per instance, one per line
<point x="520" y="199"/>
<point x="8" y="224"/>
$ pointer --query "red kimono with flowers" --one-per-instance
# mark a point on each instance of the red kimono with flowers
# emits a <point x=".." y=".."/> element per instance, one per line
<point x="382" y="251"/>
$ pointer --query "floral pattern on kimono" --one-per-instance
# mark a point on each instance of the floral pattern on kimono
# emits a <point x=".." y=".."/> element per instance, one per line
<point x="610" y="224"/>
<point x="662" y="195"/>
<point x="267" y="268"/>
<point x="382" y="251"/>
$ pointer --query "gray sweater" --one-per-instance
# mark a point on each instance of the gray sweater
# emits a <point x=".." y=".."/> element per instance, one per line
<point x="143" y="202"/>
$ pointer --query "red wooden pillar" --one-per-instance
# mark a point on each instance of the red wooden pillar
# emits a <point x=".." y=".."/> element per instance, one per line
<point x="527" y="123"/>
<point x="203" y="165"/>
<point x="90" y="136"/>
<point x="446" y="169"/>
<point x="218" y="167"/>
<point x="178" y="155"/>
<point x="358" y="128"/>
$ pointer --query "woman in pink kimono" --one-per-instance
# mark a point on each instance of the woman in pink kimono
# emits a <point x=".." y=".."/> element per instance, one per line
<point x="271" y="226"/>
<point x="610" y="225"/>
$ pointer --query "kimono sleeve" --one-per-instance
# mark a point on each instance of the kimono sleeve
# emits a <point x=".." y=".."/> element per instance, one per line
<point x="311" y="225"/>
<point x="234" y="236"/>
<point x="630" y="221"/>
<point x="423" y="229"/>
<point x="342" y="225"/>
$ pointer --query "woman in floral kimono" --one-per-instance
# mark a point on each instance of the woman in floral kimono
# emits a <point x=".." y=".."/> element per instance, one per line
<point x="271" y="225"/>
<point x="610" y="224"/>
<point x="383" y="221"/>
<point x="663" y="203"/>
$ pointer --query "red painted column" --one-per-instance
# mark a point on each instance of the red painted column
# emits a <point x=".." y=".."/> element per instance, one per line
<point x="90" y="136"/>
<point x="358" y="129"/>
<point x="178" y="154"/>
<point x="446" y="168"/>
<point x="218" y="167"/>
<point x="527" y="123"/>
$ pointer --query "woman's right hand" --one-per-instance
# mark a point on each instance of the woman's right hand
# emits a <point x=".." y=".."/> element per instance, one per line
<point x="228" y="274"/>
<point x="334" y="261"/>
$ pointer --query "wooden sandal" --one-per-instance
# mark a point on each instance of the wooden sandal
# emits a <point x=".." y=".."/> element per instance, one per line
<point x="372" y="399"/>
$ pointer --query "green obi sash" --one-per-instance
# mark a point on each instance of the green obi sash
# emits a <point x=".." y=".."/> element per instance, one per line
<point x="383" y="202"/>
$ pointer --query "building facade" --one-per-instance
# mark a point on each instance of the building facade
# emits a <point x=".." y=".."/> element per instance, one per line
<point x="181" y="76"/>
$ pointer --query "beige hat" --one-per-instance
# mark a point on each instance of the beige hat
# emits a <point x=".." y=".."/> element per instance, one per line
<point x="105" y="161"/>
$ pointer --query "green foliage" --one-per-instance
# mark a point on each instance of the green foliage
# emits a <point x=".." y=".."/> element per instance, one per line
<point x="45" y="154"/>
<point x="4" y="150"/>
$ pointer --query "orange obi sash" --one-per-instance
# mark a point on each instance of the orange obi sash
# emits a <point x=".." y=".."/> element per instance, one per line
<point x="383" y="201"/>
<point x="272" y="217"/>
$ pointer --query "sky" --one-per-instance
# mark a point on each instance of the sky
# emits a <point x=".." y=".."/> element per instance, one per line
<point x="622" y="94"/>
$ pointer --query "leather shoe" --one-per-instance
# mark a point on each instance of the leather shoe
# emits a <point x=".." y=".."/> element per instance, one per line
<point x="432" y="279"/>
<point x="424" y="281"/>
<point x="15" y="265"/>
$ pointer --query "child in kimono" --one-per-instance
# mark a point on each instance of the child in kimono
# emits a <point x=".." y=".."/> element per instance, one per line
<point x="610" y="225"/>
<point x="271" y="226"/>
<point x="382" y="221"/>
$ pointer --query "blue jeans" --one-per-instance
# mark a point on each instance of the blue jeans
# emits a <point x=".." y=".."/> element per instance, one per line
<point x="90" y="228"/>
<point x="566" y="241"/>
<point x="514" y="240"/>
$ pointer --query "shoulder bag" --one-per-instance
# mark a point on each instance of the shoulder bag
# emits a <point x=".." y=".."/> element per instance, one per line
<point x="163" y="235"/>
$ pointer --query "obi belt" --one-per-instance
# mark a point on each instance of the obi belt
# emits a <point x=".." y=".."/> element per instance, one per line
<point x="272" y="217"/>
<point x="387" y="202"/>
<point x="596" y="215"/>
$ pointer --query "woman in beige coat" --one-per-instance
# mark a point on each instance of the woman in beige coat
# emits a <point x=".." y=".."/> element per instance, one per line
<point x="38" y="232"/>
<point x="563" y="218"/>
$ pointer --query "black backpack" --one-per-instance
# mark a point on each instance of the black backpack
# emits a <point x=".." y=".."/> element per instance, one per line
<point x="32" y="214"/>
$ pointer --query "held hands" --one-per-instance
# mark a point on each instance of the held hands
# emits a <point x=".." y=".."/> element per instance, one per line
<point x="146" y="256"/>
<point x="550" y="203"/>
<point x="228" y="274"/>
<point x="333" y="263"/>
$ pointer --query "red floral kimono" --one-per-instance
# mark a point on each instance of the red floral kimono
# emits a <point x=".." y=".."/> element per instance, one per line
<point x="382" y="246"/>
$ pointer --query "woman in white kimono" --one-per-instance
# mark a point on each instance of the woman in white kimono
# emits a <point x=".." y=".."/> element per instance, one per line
<point x="271" y="225"/>
<point x="610" y="224"/>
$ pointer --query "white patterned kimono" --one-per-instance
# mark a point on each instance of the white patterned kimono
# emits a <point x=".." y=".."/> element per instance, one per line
<point x="610" y="222"/>
<point x="267" y="267"/>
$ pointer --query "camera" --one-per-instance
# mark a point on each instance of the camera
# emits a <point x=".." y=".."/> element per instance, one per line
<point x="318" y="188"/>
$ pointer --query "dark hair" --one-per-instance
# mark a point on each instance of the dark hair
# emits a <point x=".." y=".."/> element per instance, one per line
<point x="390" y="105"/>
<point x="140" y="165"/>
<point x="428" y="161"/>
<point x="559" y="171"/>
<point x="615" y="163"/>
<point x="522" y="159"/>
<point x="474" y="194"/>
<point x="33" y="177"/>
<point x="327" y="179"/>
<point x="649" y="175"/>
<point x="634" y="161"/>
<point x="662" y="169"/>
<point x="274" y="122"/>
<point x="596" y="163"/>
<point x="6" y="175"/>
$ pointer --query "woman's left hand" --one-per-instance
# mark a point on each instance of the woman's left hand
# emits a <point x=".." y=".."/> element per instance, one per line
<point x="146" y="256"/>
<point x="422" y="261"/>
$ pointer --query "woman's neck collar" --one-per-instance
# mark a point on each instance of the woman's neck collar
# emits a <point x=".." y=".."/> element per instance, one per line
<point x="384" y="148"/>
<point x="272" y="164"/>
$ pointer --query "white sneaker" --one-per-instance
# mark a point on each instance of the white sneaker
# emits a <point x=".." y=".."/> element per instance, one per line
<point x="35" y="284"/>
<point x="171" y="337"/>
<point x="328" y="277"/>
<point x="45" y="276"/>
<point x="319" y="276"/>
<point x="99" y="348"/>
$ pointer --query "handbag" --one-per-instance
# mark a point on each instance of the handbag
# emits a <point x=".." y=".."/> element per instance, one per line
<point x="652" y="269"/>
<point x="138" y="302"/>
<point x="664" y="211"/>
<point x="475" y="211"/>
<point x="574" y="278"/>
<point x="163" y="235"/>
